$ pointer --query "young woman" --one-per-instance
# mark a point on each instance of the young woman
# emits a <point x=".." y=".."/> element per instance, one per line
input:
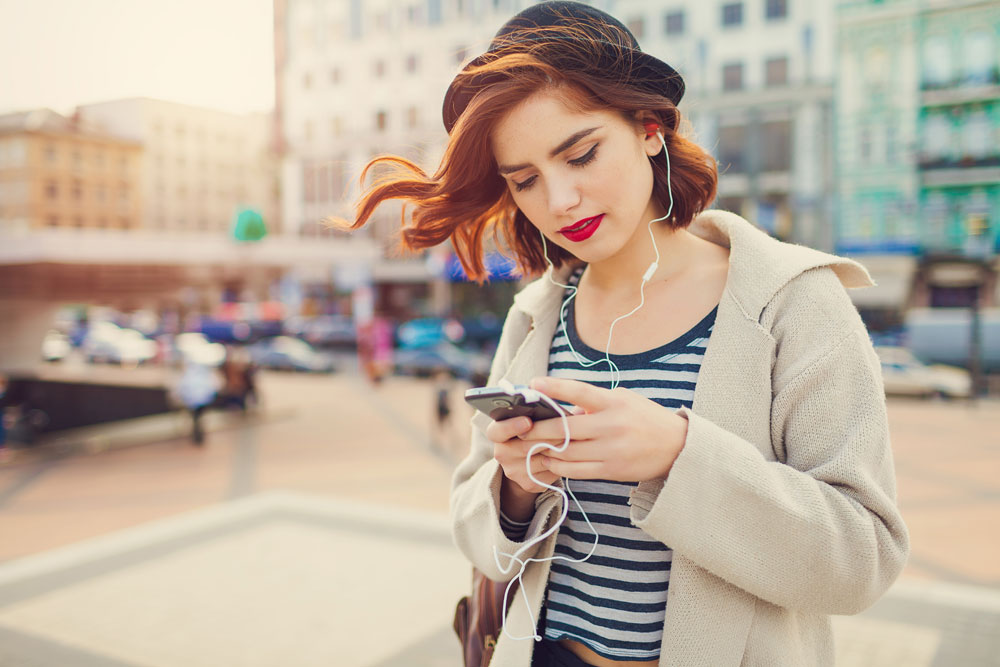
<point x="728" y="439"/>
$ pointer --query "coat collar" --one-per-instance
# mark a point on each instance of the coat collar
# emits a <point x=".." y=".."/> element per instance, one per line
<point x="759" y="266"/>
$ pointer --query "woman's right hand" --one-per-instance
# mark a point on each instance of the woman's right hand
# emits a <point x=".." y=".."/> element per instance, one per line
<point x="519" y="491"/>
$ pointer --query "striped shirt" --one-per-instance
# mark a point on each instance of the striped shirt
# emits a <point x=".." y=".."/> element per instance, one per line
<point x="615" y="601"/>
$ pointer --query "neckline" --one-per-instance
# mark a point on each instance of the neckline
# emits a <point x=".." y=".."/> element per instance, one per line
<point x="702" y="329"/>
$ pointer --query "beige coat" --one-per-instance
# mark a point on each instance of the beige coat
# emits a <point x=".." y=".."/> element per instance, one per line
<point x="781" y="507"/>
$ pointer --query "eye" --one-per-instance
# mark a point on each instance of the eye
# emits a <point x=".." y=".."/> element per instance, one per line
<point x="586" y="158"/>
<point x="524" y="185"/>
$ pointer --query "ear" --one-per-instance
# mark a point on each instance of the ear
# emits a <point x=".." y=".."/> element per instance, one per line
<point x="648" y="125"/>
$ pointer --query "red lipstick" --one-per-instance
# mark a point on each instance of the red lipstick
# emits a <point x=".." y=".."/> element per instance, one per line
<point x="582" y="229"/>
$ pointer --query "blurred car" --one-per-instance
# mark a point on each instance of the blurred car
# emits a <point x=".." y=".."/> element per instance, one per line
<point x="905" y="374"/>
<point x="291" y="354"/>
<point x="108" y="342"/>
<point x="424" y="361"/>
<point x="55" y="346"/>
<point x="336" y="331"/>
<point x="195" y="348"/>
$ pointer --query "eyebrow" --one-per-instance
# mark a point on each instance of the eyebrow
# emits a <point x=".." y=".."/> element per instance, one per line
<point x="505" y="169"/>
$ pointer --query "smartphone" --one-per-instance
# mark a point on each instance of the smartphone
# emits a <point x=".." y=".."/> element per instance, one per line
<point x="500" y="404"/>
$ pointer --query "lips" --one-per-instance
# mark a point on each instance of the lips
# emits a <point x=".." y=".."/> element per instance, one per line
<point x="582" y="230"/>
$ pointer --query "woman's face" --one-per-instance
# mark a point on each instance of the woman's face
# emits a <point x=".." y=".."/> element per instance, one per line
<point x="582" y="178"/>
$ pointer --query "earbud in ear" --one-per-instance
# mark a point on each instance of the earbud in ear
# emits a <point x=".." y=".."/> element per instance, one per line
<point x="651" y="129"/>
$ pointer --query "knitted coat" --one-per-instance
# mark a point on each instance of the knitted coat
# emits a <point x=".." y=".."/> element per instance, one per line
<point x="780" y="508"/>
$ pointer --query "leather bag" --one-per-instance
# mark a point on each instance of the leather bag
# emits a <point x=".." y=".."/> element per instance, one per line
<point x="478" y="619"/>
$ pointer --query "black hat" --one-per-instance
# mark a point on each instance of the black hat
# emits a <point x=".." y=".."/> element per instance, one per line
<point x="624" y="60"/>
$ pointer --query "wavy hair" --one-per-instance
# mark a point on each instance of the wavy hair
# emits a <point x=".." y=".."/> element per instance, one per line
<point x="467" y="201"/>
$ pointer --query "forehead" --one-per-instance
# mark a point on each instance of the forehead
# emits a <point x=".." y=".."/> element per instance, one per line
<point x="540" y="123"/>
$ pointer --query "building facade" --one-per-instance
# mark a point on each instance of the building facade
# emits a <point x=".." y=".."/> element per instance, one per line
<point x="918" y="143"/>
<point x="57" y="172"/>
<point x="759" y="76"/>
<point x="200" y="166"/>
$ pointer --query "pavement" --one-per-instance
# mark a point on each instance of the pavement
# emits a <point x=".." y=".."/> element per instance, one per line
<point x="315" y="532"/>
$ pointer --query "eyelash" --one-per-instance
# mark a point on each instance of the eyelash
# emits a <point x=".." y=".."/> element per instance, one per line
<point x="582" y="161"/>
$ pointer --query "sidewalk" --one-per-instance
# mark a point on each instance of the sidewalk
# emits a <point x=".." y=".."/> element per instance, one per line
<point x="287" y="579"/>
<point x="321" y="538"/>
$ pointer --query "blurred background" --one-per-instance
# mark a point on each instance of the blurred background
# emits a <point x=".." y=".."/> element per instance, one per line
<point x="166" y="280"/>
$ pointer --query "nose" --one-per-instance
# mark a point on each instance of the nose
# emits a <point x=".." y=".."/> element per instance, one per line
<point x="563" y="193"/>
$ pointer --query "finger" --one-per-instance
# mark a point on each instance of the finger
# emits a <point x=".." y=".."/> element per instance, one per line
<point x="575" y="392"/>
<point x="576" y="469"/>
<point x="502" y="431"/>
<point x="581" y="427"/>
<point x="581" y="450"/>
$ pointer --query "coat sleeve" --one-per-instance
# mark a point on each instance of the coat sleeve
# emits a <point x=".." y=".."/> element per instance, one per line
<point x="817" y="530"/>
<point x="475" y="487"/>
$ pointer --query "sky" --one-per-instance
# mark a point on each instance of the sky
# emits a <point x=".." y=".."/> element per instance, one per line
<point x="210" y="53"/>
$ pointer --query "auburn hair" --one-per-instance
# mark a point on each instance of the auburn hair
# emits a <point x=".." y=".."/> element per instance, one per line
<point x="467" y="201"/>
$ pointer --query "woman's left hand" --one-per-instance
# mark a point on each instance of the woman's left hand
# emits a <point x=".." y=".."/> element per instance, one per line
<point x="615" y="434"/>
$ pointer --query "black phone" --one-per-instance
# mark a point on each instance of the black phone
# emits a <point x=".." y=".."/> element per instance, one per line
<point x="501" y="404"/>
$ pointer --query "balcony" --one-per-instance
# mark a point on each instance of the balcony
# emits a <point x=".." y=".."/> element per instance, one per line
<point x="966" y="90"/>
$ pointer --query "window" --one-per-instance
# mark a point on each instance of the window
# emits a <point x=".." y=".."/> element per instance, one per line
<point x="865" y="146"/>
<point x="978" y="58"/>
<point x="776" y="145"/>
<point x="937" y="138"/>
<point x="77" y="190"/>
<point x="307" y="81"/>
<point x="732" y="77"/>
<point x="381" y="120"/>
<point x="976" y="131"/>
<point x="776" y="9"/>
<point x="50" y="154"/>
<point x="412" y="62"/>
<point x="673" y="22"/>
<point x="334" y="75"/>
<point x="51" y="190"/>
<point x="637" y="26"/>
<point x="379" y="69"/>
<point x="776" y="71"/>
<point x="732" y="14"/>
<point x="411" y="117"/>
<point x="732" y="149"/>
<point x="53" y="221"/>
<point x="937" y="67"/>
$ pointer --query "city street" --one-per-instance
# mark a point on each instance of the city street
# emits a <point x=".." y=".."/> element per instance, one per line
<point x="314" y="532"/>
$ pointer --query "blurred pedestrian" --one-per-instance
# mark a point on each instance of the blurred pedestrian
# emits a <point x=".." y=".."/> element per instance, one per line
<point x="442" y="427"/>
<point x="197" y="389"/>
<point x="237" y="380"/>
<point x="375" y="348"/>
<point x="5" y="453"/>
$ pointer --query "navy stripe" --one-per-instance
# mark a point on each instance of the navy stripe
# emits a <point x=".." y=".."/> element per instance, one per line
<point x="605" y="498"/>
<point x="614" y="563"/>
<point x="609" y="603"/>
<point x="569" y="570"/>
<point x="595" y="518"/>
<point x="574" y="632"/>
